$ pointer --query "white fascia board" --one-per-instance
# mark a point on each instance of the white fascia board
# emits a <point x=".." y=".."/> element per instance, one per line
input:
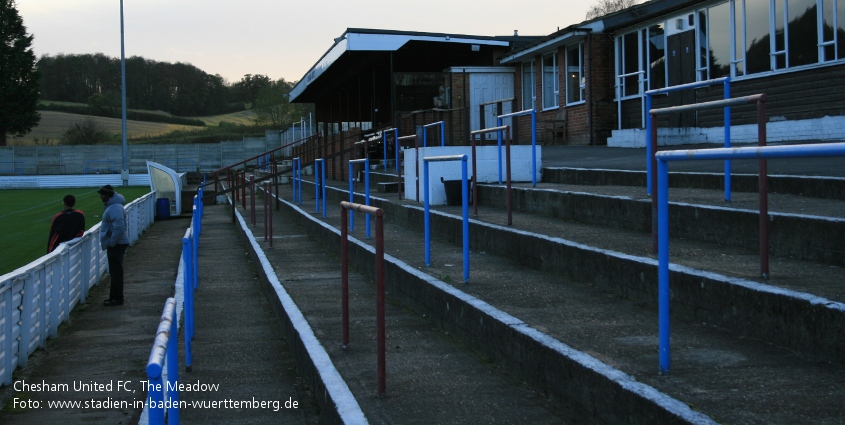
<point x="393" y="42"/>
<point x="546" y="47"/>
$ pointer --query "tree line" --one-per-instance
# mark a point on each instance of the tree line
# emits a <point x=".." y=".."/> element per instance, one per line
<point x="180" y="89"/>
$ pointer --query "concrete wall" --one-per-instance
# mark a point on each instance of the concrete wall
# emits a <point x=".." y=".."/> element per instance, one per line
<point x="487" y="163"/>
<point x="108" y="159"/>
<point x="825" y="129"/>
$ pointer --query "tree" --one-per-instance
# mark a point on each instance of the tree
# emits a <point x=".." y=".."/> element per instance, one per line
<point x="19" y="79"/>
<point x="271" y="105"/>
<point x="273" y="108"/>
<point x="250" y="85"/>
<point x="87" y="132"/>
<point x="604" y="7"/>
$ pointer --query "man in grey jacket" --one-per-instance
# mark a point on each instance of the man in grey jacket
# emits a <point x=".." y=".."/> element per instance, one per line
<point x="114" y="238"/>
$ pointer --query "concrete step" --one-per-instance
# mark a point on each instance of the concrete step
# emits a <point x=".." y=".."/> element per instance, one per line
<point x="575" y="300"/>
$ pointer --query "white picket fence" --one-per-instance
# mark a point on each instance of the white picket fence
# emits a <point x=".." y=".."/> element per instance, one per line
<point x="35" y="299"/>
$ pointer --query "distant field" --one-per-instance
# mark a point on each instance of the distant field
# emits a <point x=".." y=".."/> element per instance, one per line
<point x="53" y="125"/>
<point x="26" y="215"/>
<point x="243" y="117"/>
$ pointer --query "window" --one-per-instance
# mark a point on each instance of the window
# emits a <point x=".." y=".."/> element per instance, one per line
<point x="635" y="49"/>
<point x="574" y="74"/>
<point x="656" y="57"/>
<point x="746" y="37"/>
<point x="528" y="85"/>
<point x="629" y="64"/>
<point x="714" y="39"/>
<point x="833" y="30"/>
<point x="550" y="81"/>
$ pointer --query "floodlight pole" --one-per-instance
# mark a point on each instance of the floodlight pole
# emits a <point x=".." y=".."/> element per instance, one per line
<point x="124" y="174"/>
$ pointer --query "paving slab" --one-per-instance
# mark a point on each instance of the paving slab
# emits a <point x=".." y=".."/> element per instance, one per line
<point x="103" y="345"/>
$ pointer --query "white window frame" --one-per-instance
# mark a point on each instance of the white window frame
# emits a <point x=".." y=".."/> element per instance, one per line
<point x="551" y="100"/>
<point x="532" y="84"/>
<point x="582" y="84"/>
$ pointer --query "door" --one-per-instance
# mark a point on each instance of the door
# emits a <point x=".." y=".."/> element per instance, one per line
<point x="488" y="87"/>
<point x="681" y="57"/>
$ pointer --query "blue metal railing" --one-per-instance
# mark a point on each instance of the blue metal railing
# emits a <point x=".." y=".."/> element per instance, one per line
<point x="442" y="125"/>
<point x="533" y="114"/>
<point x="164" y="354"/>
<point x="464" y="208"/>
<point x="165" y="348"/>
<point x="320" y="182"/>
<point x="395" y="146"/>
<point x="651" y="140"/>
<point x="663" y="159"/>
<point x="296" y="179"/>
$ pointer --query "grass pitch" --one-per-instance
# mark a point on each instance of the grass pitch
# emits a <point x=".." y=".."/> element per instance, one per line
<point x="26" y="214"/>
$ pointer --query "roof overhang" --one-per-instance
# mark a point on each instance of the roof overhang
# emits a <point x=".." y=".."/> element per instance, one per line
<point x="368" y="40"/>
<point x="545" y="46"/>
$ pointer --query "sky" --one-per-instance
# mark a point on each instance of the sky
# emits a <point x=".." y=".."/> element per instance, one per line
<point x="276" y="38"/>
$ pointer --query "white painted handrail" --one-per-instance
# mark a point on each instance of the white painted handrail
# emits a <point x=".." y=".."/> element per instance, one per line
<point x="35" y="299"/>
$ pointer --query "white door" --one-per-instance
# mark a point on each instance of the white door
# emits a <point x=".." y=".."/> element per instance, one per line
<point x="488" y="87"/>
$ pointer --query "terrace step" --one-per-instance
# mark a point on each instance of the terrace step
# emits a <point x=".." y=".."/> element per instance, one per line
<point x="548" y="285"/>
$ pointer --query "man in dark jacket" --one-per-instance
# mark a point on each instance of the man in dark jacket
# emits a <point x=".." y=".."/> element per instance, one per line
<point x="114" y="238"/>
<point x="67" y="225"/>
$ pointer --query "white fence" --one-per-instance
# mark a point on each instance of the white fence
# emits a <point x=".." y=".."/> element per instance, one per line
<point x="35" y="299"/>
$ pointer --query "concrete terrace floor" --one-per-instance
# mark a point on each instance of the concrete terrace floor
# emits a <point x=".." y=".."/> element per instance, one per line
<point x="433" y="377"/>
<point x="731" y="380"/>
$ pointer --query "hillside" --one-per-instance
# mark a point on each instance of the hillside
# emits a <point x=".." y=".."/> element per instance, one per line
<point x="53" y="124"/>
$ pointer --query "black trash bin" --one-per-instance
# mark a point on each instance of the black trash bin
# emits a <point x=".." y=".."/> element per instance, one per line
<point x="453" y="192"/>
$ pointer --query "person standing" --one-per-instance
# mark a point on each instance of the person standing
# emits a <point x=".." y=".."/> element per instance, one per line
<point x="114" y="238"/>
<point x="66" y="225"/>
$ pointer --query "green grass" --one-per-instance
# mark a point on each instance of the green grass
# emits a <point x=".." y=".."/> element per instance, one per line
<point x="26" y="214"/>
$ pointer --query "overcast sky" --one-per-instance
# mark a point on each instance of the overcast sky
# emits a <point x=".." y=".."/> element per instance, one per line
<point x="277" y="38"/>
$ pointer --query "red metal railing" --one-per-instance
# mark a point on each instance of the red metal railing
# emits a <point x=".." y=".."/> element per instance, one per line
<point x="379" y="278"/>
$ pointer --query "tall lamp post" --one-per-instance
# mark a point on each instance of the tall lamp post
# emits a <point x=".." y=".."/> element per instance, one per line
<point x="124" y="173"/>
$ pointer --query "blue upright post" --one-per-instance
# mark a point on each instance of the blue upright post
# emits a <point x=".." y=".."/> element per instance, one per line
<point x="533" y="148"/>
<point x="648" y="145"/>
<point x="396" y="147"/>
<point x="427" y="219"/>
<point x="187" y="283"/>
<point x="465" y="212"/>
<point x="663" y="263"/>
<point x="442" y="133"/>
<point x="156" y="395"/>
<point x="172" y="364"/>
<point x="499" y="138"/>
<point x="367" y="193"/>
<point x="727" y="111"/>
